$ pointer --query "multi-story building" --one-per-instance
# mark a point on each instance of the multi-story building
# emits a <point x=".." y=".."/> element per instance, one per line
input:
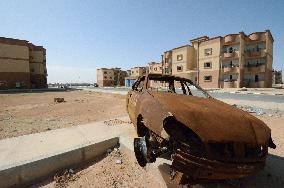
<point x="22" y="64"/>
<point x="155" y="68"/>
<point x="277" y="77"/>
<point x="110" y="77"/>
<point x="180" y="61"/>
<point x="38" y="70"/>
<point x="135" y="72"/>
<point x="235" y="60"/>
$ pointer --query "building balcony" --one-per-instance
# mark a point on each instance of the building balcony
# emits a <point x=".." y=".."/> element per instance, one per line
<point x="259" y="53"/>
<point x="230" y="84"/>
<point x="230" y="69"/>
<point x="255" y="68"/>
<point x="229" y="39"/>
<point x="252" y="84"/>
<point x="231" y="55"/>
<point x="254" y="36"/>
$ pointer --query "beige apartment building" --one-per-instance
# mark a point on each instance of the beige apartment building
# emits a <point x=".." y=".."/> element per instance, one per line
<point x="235" y="60"/>
<point x="135" y="72"/>
<point x="110" y="77"/>
<point x="22" y="64"/>
<point x="180" y="61"/>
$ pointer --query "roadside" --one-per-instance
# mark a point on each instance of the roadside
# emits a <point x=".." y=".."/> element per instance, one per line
<point x="114" y="169"/>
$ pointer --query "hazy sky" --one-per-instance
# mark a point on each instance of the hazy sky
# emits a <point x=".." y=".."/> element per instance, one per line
<point x="81" y="36"/>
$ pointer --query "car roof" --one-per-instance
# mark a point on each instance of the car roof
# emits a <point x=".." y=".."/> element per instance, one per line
<point x="165" y="77"/>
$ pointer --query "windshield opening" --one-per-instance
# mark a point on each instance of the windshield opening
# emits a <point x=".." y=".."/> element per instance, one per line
<point x="175" y="85"/>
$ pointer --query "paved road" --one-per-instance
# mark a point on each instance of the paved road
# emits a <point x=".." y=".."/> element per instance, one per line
<point x="236" y="96"/>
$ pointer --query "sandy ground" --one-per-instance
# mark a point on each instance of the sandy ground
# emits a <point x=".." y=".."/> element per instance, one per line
<point x="36" y="112"/>
<point x="116" y="169"/>
<point x="26" y="113"/>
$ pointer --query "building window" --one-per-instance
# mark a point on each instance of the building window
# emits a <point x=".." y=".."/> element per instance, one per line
<point x="207" y="78"/>
<point x="208" y="51"/>
<point x="105" y="72"/>
<point x="256" y="79"/>
<point x="160" y="68"/>
<point x="179" y="68"/>
<point x="179" y="57"/>
<point x="207" y="65"/>
<point x="132" y="72"/>
<point x="166" y="70"/>
<point x="105" y="77"/>
<point x="32" y="70"/>
<point x="155" y="69"/>
<point x="137" y="71"/>
<point x="110" y="77"/>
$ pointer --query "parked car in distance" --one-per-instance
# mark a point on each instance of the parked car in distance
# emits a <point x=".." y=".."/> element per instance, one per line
<point x="207" y="139"/>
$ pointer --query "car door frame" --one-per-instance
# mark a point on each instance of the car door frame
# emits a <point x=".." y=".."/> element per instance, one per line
<point x="133" y="96"/>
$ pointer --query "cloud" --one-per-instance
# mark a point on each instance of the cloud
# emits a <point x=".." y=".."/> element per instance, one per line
<point x="63" y="74"/>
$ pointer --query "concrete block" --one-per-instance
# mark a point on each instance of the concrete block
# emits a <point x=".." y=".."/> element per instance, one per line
<point x="33" y="171"/>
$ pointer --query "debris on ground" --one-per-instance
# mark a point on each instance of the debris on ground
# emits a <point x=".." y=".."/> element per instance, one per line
<point x="260" y="111"/>
<point x="59" y="100"/>
<point x="257" y="111"/>
<point x="62" y="179"/>
<point x="113" y="122"/>
<point x="118" y="161"/>
<point x="105" y="173"/>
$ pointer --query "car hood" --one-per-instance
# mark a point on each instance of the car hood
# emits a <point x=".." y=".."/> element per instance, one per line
<point x="213" y="120"/>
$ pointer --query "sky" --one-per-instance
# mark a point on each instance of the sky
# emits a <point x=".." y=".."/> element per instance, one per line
<point x="81" y="36"/>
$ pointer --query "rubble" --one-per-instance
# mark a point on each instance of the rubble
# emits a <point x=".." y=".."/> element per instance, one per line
<point x="118" y="161"/>
<point x="63" y="178"/>
<point x="113" y="122"/>
<point x="59" y="100"/>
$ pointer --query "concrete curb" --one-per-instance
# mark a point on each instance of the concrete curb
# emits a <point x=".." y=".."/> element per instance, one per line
<point x="25" y="174"/>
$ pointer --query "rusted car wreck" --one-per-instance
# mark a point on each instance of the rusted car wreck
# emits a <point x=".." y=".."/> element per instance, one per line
<point x="206" y="138"/>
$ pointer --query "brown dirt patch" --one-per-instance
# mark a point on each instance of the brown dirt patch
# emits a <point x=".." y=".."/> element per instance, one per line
<point x="26" y="113"/>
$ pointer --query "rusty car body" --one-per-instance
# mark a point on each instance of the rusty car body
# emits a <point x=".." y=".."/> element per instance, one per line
<point x="206" y="138"/>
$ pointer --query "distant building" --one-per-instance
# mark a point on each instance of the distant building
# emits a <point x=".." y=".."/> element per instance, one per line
<point x="180" y="61"/>
<point x="22" y="64"/>
<point x="155" y="68"/>
<point x="233" y="61"/>
<point x="110" y="77"/>
<point x="135" y="72"/>
<point x="277" y="77"/>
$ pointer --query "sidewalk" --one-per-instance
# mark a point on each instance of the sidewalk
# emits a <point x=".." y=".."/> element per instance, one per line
<point x="24" y="158"/>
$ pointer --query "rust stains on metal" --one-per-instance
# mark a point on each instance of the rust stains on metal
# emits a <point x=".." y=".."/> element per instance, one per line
<point x="208" y="139"/>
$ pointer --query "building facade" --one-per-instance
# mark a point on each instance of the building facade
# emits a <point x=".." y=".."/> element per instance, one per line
<point x="277" y="77"/>
<point x="22" y="64"/>
<point x="135" y="72"/>
<point x="233" y="61"/>
<point x="181" y="62"/>
<point x="110" y="77"/>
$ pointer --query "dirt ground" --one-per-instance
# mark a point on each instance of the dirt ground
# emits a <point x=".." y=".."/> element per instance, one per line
<point x="116" y="169"/>
<point x="26" y="113"/>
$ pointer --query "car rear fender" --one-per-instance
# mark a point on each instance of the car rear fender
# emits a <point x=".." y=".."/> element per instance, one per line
<point x="153" y="113"/>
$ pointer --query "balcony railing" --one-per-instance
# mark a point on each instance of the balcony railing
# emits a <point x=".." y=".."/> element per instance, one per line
<point x="231" y="54"/>
<point x="253" y="84"/>
<point x="256" y="53"/>
<point x="230" y="84"/>
<point x="255" y="68"/>
<point x="227" y="69"/>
